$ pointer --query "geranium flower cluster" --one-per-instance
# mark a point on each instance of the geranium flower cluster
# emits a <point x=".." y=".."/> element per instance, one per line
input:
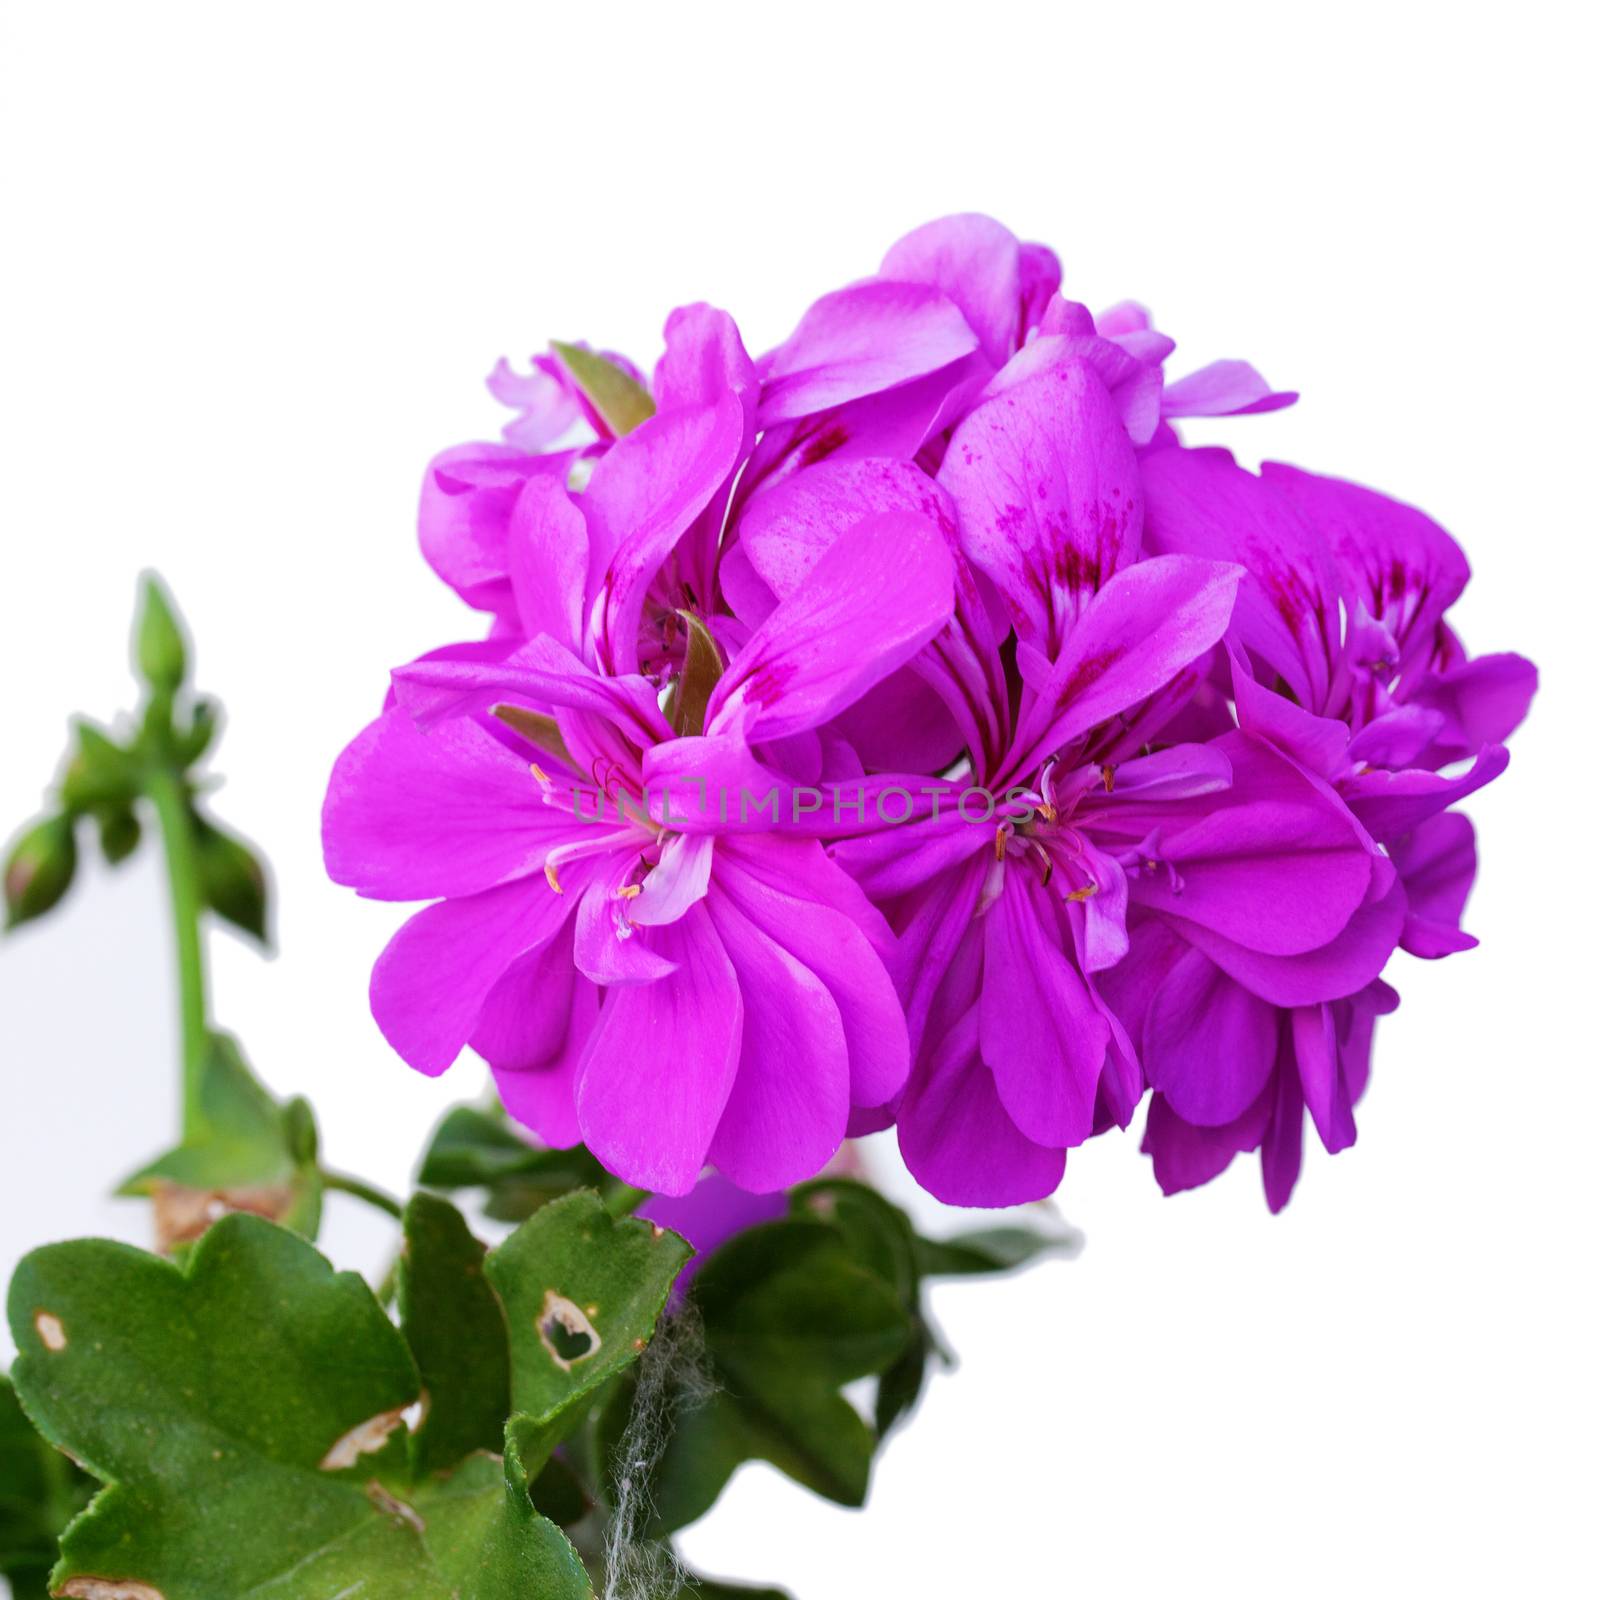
<point x="907" y="728"/>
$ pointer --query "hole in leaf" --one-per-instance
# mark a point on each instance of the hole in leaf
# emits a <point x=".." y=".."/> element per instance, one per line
<point x="363" y="1439"/>
<point x="566" y="1332"/>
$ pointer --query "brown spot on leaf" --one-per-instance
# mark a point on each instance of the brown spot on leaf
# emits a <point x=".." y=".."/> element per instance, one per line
<point x="182" y="1214"/>
<point x="51" y="1334"/>
<point x="566" y="1333"/>
<point x="362" y="1440"/>
<point x="108" y="1589"/>
<point x="398" y="1509"/>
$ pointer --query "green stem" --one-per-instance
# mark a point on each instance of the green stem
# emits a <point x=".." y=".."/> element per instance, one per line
<point x="360" y="1189"/>
<point x="166" y="791"/>
<point x="624" y="1200"/>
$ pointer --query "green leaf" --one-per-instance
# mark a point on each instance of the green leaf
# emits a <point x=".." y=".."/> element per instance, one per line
<point x="232" y="880"/>
<point x="988" y="1250"/>
<point x="242" y="1411"/>
<point x="158" y="640"/>
<point x="582" y="1291"/>
<point x="880" y="1237"/>
<point x="453" y="1322"/>
<point x="789" y="1319"/>
<point x="473" y="1149"/>
<point x="696" y="1587"/>
<point x="250" y="1153"/>
<point x="39" y="868"/>
<point x="40" y="1492"/>
<point x="622" y="402"/>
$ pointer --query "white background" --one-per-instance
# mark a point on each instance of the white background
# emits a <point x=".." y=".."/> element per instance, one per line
<point x="257" y="260"/>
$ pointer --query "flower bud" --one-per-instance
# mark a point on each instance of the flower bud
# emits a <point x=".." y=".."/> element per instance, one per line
<point x="119" y="832"/>
<point x="159" y="646"/>
<point x="39" y="869"/>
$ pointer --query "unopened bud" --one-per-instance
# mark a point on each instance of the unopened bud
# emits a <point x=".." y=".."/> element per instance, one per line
<point x="158" y="645"/>
<point x="39" y="869"/>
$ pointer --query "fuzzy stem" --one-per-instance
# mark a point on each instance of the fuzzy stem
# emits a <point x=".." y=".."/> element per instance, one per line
<point x="360" y="1189"/>
<point x="165" y="789"/>
<point x="625" y="1200"/>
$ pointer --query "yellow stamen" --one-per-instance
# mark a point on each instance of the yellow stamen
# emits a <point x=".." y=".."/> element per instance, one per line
<point x="1047" y="811"/>
<point x="551" y="878"/>
<point x="1088" y="892"/>
<point x="999" y="844"/>
<point x="539" y="773"/>
<point x="1107" y="777"/>
<point x="630" y="891"/>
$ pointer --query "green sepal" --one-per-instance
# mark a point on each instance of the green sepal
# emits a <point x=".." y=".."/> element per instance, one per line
<point x="249" y="1152"/>
<point x="702" y="668"/>
<point x="232" y="881"/>
<point x="620" y="400"/>
<point x="100" y="772"/>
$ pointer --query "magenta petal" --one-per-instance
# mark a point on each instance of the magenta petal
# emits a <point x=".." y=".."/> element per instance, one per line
<point x="1341" y="967"/>
<point x="1046" y="483"/>
<point x="660" y="1065"/>
<point x="1135" y="635"/>
<point x="858" y="341"/>
<point x="1281" y="1144"/>
<point x="1437" y="863"/>
<point x="787" y="1111"/>
<point x="1043" y="1036"/>
<point x="412" y="815"/>
<point x="1224" y="389"/>
<point x="548" y="556"/>
<point x="607" y="948"/>
<point x="1201" y="503"/>
<point x="785" y="529"/>
<point x="1482" y="701"/>
<point x="432" y="980"/>
<point x="1389" y="804"/>
<point x="957" y="1139"/>
<point x="641" y="500"/>
<point x="977" y="263"/>
<point x="1404" y="567"/>
<point x="1209" y="1044"/>
<point x="1316" y="1049"/>
<point x="524" y="1020"/>
<point x="1184" y="1155"/>
<point x="800" y="900"/>
<point x="705" y="359"/>
<point x="467" y="498"/>
<point x="1273" y="862"/>
<point x="541" y="1094"/>
<point x="882" y="590"/>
